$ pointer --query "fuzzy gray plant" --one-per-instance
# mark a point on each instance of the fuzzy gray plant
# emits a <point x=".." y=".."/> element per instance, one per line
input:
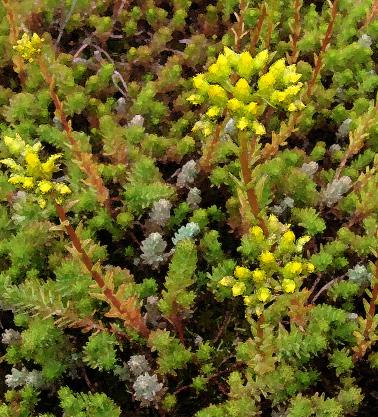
<point x="334" y="148"/>
<point x="147" y="388"/>
<point x="194" y="198"/>
<point x="365" y="40"/>
<point x="11" y="337"/>
<point x="310" y="168"/>
<point x="187" y="174"/>
<point x="153" y="313"/>
<point x="19" y="378"/>
<point x="153" y="248"/>
<point x="138" y="365"/>
<point x="137" y="120"/>
<point x="344" y="128"/>
<point x="122" y="372"/>
<point x="359" y="274"/>
<point x="161" y="212"/>
<point x="335" y="190"/>
<point x="186" y="232"/>
<point x="286" y="203"/>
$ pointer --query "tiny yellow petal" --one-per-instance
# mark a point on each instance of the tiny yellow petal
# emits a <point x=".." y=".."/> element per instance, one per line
<point x="45" y="186"/>
<point x="263" y="294"/>
<point x="288" y="285"/>
<point x="267" y="257"/>
<point x="238" y="289"/>
<point x="242" y="272"/>
<point x="226" y="281"/>
<point x="258" y="275"/>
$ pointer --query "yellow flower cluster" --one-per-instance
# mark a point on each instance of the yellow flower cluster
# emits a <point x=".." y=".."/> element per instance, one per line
<point x="29" y="46"/>
<point x="30" y="173"/>
<point x="229" y="87"/>
<point x="280" y="268"/>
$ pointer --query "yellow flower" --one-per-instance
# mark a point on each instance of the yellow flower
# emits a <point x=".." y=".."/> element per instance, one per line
<point x="195" y="99"/>
<point x="62" y="189"/>
<point x="310" y="267"/>
<point x="288" y="237"/>
<point x="292" y="107"/>
<point x="278" y="68"/>
<point x="258" y="275"/>
<point x="293" y="268"/>
<point x="248" y="300"/>
<point x="28" y="47"/>
<point x="217" y="94"/>
<point x="42" y="203"/>
<point x="252" y="108"/>
<point x="15" y="145"/>
<point x="267" y="257"/>
<point x="242" y="123"/>
<point x="242" y="272"/>
<point x="263" y="294"/>
<point x="288" y="285"/>
<point x="49" y="166"/>
<point x="293" y="89"/>
<point x="266" y="81"/>
<point x="258" y="128"/>
<point x="234" y="104"/>
<point x="258" y="311"/>
<point x="278" y="96"/>
<point x="238" y="289"/>
<point x="213" y="111"/>
<point x="28" y="182"/>
<point x="245" y="65"/>
<point x="260" y="60"/>
<point x="45" y="186"/>
<point x="32" y="159"/>
<point x="200" y="83"/>
<point x="226" y="281"/>
<point x="301" y="242"/>
<point x="12" y="164"/>
<point x="257" y="232"/>
<point x="242" y="90"/>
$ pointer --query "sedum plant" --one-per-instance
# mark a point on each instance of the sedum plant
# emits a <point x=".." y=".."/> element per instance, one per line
<point x="188" y="208"/>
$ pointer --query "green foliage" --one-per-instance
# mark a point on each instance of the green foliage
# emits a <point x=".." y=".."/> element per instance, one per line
<point x="215" y="252"/>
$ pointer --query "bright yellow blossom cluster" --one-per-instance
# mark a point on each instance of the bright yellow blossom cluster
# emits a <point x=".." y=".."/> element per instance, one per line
<point x="278" y="266"/>
<point x="234" y="85"/>
<point x="29" y="46"/>
<point x="30" y="173"/>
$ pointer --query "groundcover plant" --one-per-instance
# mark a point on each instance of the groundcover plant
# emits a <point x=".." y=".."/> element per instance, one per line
<point x="188" y="208"/>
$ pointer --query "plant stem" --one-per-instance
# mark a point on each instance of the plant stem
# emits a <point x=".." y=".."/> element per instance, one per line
<point x="319" y="58"/>
<point x="292" y="59"/>
<point x="247" y="178"/>
<point x="363" y="345"/>
<point x="85" y="159"/>
<point x="256" y="33"/>
<point x="139" y="325"/>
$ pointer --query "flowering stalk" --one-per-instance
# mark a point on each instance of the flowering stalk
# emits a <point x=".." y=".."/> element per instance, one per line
<point x="296" y="31"/>
<point x="134" y="318"/>
<point x="85" y="159"/>
<point x="319" y="58"/>
<point x="247" y="178"/>
<point x="257" y="31"/>
<point x="13" y="37"/>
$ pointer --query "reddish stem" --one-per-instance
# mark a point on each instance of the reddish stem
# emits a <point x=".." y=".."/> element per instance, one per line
<point x="247" y="178"/>
<point x="326" y="40"/>
<point x="257" y="31"/>
<point x="139" y="326"/>
<point x="296" y="32"/>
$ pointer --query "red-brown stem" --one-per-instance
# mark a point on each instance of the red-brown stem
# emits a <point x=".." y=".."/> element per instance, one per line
<point x="85" y="160"/>
<point x="177" y="323"/>
<point x="140" y="326"/>
<point x="247" y="178"/>
<point x="257" y="31"/>
<point x="240" y="25"/>
<point x="206" y="160"/>
<point x="319" y="59"/>
<point x="369" y="318"/>
<point x="296" y="32"/>
<point x="372" y="15"/>
<point x="269" y="31"/>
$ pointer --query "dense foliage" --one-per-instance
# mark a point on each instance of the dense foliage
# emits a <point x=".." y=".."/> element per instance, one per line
<point x="189" y="208"/>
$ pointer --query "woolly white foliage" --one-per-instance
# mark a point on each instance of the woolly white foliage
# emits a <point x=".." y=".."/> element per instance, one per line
<point x="359" y="274"/>
<point x="11" y="337"/>
<point x="153" y="248"/>
<point x="310" y="168"/>
<point x="194" y="198"/>
<point x="161" y="212"/>
<point x="186" y="232"/>
<point x="335" y="190"/>
<point x="146" y="388"/>
<point x="344" y="128"/>
<point x="187" y="174"/>
<point x="138" y="365"/>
